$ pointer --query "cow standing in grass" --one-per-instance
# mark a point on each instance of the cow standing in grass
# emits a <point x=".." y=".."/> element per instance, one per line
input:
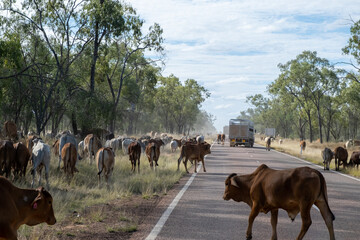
<point x="268" y="143"/>
<point x="69" y="157"/>
<point x="105" y="162"/>
<point x="134" y="151"/>
<point x="302" y="146"/>
<point x="341" y="156"/>
<point x="40" y="158"/>
<point x="22" y="157"/>
<point x="327" y="156"/>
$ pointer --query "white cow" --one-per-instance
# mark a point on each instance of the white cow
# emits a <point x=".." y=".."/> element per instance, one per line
<point x="173" y="145"/>
<point x="40" y="157"/>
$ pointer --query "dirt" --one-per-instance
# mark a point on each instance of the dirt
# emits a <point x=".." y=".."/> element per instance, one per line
<point x="118" y="219"/>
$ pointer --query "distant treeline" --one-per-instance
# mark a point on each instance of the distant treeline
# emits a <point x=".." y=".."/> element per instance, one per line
<point x="84" y="61"/>
<point x="312" y="98"/>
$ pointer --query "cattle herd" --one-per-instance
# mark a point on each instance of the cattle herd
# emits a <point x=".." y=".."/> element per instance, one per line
<point x="296" y="189"/>
<point x="16" y="156"/>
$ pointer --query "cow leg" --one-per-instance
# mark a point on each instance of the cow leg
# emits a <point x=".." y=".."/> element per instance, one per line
<point x="47" y="177"/>
<point x="33" y="173"/>
<point x="139" y="165"/>
<point x="306" y="220"/>
<point x="185" y="164"/>
<point x="40" y="172"/>
<point x="179" y="160"/>
<point x="254" y="212"/>
<point x="274" y="220"/>
<point x="336" y="164"/>
<point x="203" y="163"/>
<point x="195" y="165"/>
<point x="327" y="216"/>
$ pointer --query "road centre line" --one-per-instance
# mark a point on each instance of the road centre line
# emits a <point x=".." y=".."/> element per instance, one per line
<point x="160" y="224"/>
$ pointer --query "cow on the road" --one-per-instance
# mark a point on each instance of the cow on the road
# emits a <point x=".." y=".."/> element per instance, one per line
<point x="294" y="190"/>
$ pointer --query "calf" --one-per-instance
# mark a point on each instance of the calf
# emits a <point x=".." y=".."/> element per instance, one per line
<point x="294" y="190"/>
<point x="91" y="146"/>
<point x="134" y="151"/>
<point x="69" y="157"/>
<point x="55" y="147"/>
<point x="152" y="152"/>
<point x="40" y="158"/>
<point x="341" y="156"/>
<point x="105" y="162"/>
<point x="355" y="159"/>
<point x="66" y="137"/>
<point x="268" y="143"/>
<point x="302" y="146"/>
<point x="23" y="206"/>
<point x="195" y="152"/>
<point x="7" y="157"/>
<point x="173" y="145"/>
<point x="327" y="156"/>
<point x="222" y="139"/>
<point x="218" y="139"/>
<point x="22" y="157"/>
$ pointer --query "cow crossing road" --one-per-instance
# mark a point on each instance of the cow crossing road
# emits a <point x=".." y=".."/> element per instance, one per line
<point x="201" y="213"/>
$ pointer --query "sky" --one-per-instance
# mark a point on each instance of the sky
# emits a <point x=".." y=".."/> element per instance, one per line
<point x="233" y="48"/>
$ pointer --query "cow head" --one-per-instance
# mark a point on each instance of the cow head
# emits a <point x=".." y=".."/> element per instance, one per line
<point x="206" y="147"/>
<point x="232" y="189"/>
<point x="42" y="209"/>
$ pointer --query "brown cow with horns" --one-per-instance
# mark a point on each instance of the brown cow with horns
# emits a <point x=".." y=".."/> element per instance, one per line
<point x="294" y="190"/>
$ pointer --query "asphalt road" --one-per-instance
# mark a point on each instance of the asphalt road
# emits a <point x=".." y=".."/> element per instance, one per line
<point x="201" y="213"/>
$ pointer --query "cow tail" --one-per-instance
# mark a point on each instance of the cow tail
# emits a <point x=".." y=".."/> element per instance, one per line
<point x="91" y="146"/>
<point x="323" y="191"/>
<point x="102" y="161"/>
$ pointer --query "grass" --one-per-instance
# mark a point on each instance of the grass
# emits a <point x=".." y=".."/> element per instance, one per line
<point x="312" y="152"/>
<point x="83" y="189"/>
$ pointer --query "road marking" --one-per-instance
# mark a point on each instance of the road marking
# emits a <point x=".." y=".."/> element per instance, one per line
<point x="160" y="224"/>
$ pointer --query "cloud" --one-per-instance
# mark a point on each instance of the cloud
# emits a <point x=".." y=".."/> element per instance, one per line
<point x="233" y="47"/>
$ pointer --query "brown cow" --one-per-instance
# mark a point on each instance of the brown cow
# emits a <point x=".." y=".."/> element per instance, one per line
<point x="10" y="130"/>
<point x="23" y="206"/>
<point x="341" y="156"/>
<point x="302" y="146"/>
<point x="105" y="162"/>
<point x="355" y="159"/>
<point x="7" y="157"/>
<point x="55" y="147"/>
<point x="222" y="139"/>
<point x="134" y="151"/>
<point x="294" y="190"/>
<point x="22" y="157"/>
<point x="152" y="152"/>
<point x="69" y="157"/>
<point x="91" y="145"/>
<point x="268" y="143"/>
<point x="195" y="152"/>
<point x="218" y="139"/>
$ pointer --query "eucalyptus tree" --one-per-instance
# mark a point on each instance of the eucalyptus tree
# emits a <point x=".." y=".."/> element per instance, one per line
<point x="180" y="103"/>
<point x="56" y="25"/>
<point x="353" y="48"/>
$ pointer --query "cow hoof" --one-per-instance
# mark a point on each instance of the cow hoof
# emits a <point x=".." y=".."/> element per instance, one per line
<point x="249" y="237"/>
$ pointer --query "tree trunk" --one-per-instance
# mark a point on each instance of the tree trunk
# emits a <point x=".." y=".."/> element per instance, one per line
<point x="320" y="124"/>
<point x="310" y="126"/>
<point x="74" y="123"/>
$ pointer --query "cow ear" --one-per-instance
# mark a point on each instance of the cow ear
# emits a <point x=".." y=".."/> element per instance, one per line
<point x="34" y="204"/>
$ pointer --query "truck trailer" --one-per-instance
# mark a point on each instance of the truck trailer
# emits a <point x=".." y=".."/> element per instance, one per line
<point x="241" y="132"/>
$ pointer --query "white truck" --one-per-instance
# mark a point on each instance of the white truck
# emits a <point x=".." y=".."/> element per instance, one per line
<point x="270" y="132"/>
<point x="241" y="132"/>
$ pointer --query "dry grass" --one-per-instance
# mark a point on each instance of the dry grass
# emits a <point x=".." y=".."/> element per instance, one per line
<point x="312" y="152"/>
<point x="72" y="197"/>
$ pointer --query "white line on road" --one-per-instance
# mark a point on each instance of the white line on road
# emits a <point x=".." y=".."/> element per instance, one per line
<point x="159" y="225"/>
